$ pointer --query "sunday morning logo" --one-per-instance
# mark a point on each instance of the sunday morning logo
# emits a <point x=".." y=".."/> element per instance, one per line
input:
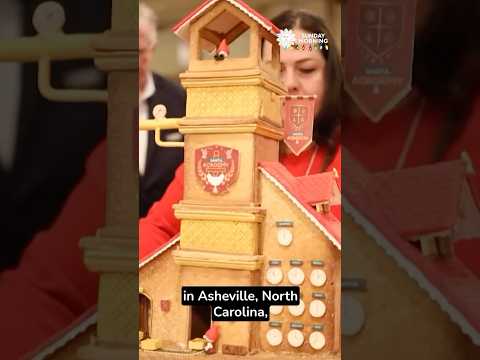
<point x="287" y="39"/>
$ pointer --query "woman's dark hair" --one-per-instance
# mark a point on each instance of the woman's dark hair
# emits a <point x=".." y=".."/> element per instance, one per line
<point x="327" y="122"/>
<point x="446" y="64"/>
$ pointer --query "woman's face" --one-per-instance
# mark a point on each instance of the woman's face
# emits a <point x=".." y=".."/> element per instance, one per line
<point x="303" y="72"/>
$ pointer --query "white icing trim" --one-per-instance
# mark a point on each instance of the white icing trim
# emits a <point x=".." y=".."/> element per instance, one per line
<point x="455" y="315"/>
<point x="232" y="2"/>
<point x="69" y="336"/>
<point x="253" y="16"/>
<point x="302" y="208"/>
<point x="194" y="16"/>
<point x="158" y="252"/>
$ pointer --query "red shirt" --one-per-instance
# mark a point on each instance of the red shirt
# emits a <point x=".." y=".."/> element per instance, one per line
<point x="51" y="287"/>
<point x="160" y="224"/>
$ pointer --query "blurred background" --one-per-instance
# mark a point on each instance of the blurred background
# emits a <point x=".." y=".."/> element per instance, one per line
<point x="172" y="53"/>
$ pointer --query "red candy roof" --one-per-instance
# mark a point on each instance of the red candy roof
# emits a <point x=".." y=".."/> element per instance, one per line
<point x="181" y="28"/>
<point x="410" y="197"/>
<point x="319" y="187"/>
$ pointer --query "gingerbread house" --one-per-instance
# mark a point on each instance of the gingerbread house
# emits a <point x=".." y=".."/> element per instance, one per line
<point x="299" y="245"/>
<point x="244" y="219"/>
<point x="416" y="290"/>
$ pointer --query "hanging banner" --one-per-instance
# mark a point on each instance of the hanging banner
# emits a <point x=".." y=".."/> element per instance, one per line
<point x="216" y="167"/>
<point x="378" y="48"/>
<point x="298" y="112"/>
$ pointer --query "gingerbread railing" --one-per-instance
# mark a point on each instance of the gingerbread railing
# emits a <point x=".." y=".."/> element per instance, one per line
<point x="159" y="123"/>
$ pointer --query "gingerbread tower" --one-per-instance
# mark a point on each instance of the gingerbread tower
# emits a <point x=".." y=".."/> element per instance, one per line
<point x="232" y="123"/>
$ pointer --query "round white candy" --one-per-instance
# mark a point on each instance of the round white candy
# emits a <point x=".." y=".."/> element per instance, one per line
<point x="159" y="111"/>
<point x="276" y="309"/>
<point x="295" y="338"/>
<point x="317" y="308"/>
<point x="318" y="277"/>
<point x="297" y="310"/>
<point x="317" y="340"/>
<point x="296" y="276"/>
<point x="49" y="17"/>
<point x="274" y="275"/>
<point x="353" y="316"/>
<point x="274" y="337"/>
<point x="284" y="236"/>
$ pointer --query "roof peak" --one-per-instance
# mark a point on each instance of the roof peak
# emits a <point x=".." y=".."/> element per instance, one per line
<point x="301" y="194"/>
<point x="182" y="26"/>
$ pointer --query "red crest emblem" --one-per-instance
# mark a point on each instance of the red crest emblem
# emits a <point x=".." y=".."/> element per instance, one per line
<point x="298" y="115"/>
<point x="379" y="39"/>
<point x="216" y="167"/>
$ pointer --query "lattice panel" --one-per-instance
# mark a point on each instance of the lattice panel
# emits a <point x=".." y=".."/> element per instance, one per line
<point x="220" y="236"/>
<point x="118" y="308"/>
<point x="223" y="101"/>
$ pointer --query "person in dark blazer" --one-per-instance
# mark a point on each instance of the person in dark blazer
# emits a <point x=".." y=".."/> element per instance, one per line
<point x="157" y="165"/>
<point x="161" y="163"/>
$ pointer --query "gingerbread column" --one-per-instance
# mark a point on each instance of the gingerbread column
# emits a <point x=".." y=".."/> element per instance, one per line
<point x="113" y="252"/>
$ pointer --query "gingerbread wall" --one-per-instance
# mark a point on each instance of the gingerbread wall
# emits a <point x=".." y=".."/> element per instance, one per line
<point x="236" y="333"/>
<point x="391" y="298"/>
<point x="308" y="244"/>
<point x="160" y="280"/>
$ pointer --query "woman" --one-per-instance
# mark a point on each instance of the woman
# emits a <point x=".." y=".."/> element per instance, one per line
<point x="305" y="72"/>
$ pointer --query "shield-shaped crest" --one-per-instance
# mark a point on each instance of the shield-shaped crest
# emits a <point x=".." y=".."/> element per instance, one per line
<point x="378" y="53"/>
<point x="380" y="26"/>
<point x="165" y="305"/>
<point x="298" y="115"/>
<point x="216" y="167"/>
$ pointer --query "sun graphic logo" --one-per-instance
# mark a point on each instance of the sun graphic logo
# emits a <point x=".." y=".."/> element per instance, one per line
<point x="286" y="38"/>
